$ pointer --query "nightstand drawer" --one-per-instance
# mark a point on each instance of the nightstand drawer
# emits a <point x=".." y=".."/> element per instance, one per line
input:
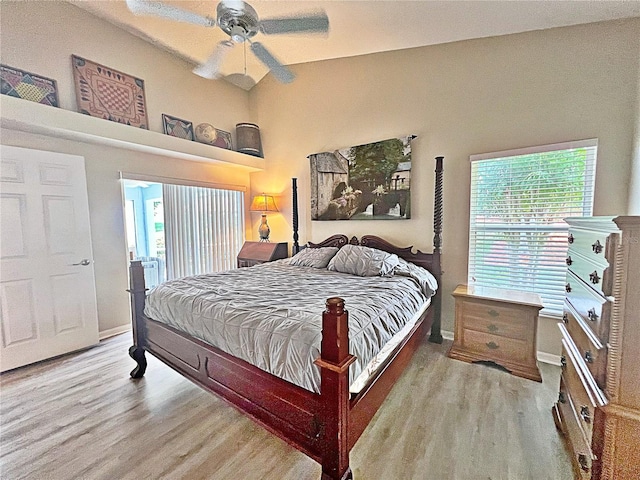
<point x="495" y="320"/>
<point x="496" y="347"/>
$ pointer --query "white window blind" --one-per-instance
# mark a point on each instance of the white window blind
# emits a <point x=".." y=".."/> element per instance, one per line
<point x="204" y="229"/>
<point x="518" y="238"/>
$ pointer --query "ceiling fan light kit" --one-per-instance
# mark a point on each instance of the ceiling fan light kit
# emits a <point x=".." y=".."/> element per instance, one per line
<point x="240" y="21"/>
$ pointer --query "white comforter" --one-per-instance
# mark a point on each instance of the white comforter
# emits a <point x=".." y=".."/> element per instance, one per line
<point x="271" y="315"/>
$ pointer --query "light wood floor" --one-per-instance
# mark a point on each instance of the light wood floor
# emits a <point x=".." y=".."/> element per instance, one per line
<point x="82" y="417"/>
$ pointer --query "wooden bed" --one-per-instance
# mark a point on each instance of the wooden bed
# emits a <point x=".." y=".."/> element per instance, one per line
<point x="324" y="426"/>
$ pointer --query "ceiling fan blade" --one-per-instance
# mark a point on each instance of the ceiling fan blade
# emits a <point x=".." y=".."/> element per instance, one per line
<point x="282" y="73"/>
<point x="211" y="68"/>
<point x="159" y="9"/>
<point x="318" y="22"/>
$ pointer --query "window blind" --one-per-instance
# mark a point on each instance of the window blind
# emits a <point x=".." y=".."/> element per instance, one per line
<point x="518" y="238"/>
<point x="204" y="229"/>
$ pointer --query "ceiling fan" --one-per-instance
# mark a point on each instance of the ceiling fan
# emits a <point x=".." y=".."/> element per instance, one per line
<point x="240" y="21"/>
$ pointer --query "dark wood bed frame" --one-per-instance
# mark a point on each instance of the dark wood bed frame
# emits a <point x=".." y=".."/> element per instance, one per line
<point x="324" y="426"/>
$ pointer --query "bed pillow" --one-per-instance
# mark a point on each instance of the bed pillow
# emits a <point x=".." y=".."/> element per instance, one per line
<point x="363" y="261"/>
<point x="314" y="257"/>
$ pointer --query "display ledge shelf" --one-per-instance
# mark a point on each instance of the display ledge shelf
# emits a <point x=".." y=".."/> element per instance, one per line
<point x="31" y="117"/>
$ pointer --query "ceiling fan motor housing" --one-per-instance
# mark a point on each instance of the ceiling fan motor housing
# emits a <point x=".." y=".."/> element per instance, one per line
<point x="239" y="24"/>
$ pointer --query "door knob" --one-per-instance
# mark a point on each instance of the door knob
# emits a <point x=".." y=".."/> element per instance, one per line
<point x="84" y="262"/>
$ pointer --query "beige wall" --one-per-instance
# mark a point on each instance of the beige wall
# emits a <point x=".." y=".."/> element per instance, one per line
<point x="40" y="37"/>
<point x="634" y="188"/>
<point x="459" y="99"/>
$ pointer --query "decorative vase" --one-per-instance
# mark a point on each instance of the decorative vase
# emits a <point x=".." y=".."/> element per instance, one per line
<point x="263" y="229"/>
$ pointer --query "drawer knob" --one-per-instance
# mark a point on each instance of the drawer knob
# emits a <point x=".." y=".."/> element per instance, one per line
<point x="584" y="413"/>
<point x="492" y="328"/>
<point x="563" y="361"/>
<point x="593" y="316"/>
<point x="582" y="461"/>
<point x="492" y="345"/>
<point x="569" y="261"/>
<point x="597" y="247"/>
<point x="561" y="397"/>
<point x="493" y="313"/>
<point x="565" y="318"/>
<point x="594" y="278"/>
<point x="588" y="356"/>
<point x="567" y="287"/>
<point x="570" y="239"/>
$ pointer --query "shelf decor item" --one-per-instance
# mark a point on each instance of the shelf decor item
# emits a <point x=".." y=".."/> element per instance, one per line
<point x="248" y="139"/>
<point x="109" y="94"/>
<point x="28" y="86"/>
<point x="207" y="133"/>
<point x="176" y="127"/>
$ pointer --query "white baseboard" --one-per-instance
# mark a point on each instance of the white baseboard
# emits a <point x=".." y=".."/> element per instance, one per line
<point x="550" y="358"/>
<point x="111" y="332"/>
<point x="543" y="357"/>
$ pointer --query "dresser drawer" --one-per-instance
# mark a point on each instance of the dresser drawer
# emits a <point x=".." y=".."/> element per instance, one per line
<point x="594" y="274"/>
<point x="496" y="320"/>
<point x="581" y="455"/>
<point x="495" y="347"/>
<point x="594" y="245"/>
<point x="584" y="393"/>
<point x="592" y="307"/>
<point x="589" y="347"/>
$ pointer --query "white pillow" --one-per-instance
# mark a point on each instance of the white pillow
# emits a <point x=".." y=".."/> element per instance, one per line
<point x="314" y="257"/>
<point x="363" y="261"/>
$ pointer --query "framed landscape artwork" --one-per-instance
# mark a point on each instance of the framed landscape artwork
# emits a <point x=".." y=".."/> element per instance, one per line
<point x="365" y="182"/>
<point x="107" y="93"/>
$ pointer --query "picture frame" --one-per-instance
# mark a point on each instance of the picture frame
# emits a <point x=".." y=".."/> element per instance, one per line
<point x="364" y="182"/>
<point x="19" y="83"/>
<point x="223" y="139"/>
<point x="177" y="127"/>
<point x="109" y="94"/>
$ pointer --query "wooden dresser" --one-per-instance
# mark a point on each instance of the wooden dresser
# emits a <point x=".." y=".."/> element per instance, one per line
<point x="598" y="407"/>
<point x="253" y="253"/>
<point x="499" y="326"/>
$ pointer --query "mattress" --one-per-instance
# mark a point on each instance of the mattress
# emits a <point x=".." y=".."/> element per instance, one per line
<point x="270" y="315"/>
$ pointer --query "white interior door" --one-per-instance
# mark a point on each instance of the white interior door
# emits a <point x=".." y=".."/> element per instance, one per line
<point x="47" y="285"/>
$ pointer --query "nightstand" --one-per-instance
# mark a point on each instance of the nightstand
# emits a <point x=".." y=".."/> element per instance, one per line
<point x="498" y="326"/>
<point x="253" y="253"/>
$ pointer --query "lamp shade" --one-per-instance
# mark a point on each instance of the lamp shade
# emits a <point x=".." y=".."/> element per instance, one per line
<point x="263" y="203"/>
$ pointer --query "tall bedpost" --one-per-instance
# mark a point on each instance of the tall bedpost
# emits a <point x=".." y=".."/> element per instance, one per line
<point x="334" y="364"/>
<point x="436" y="336"/>
<point x="137" y="291"/>
<point x="296" y="247"/>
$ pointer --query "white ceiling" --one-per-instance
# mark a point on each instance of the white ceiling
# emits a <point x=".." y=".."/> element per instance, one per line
<point x="358" y="27"/>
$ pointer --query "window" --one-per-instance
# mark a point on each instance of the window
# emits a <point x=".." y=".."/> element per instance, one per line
<point x="179" y="230"/>
<point x="517" y="235"/>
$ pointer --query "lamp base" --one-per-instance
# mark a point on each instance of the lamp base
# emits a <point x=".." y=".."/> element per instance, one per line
<point x="263" y="229"/>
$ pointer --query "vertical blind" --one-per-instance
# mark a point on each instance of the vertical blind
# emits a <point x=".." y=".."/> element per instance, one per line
<point x="204" y="229"/>
<point x="518" y="238"/>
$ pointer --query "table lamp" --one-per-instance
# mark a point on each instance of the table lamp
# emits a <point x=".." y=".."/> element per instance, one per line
<point x="263" y="203"/>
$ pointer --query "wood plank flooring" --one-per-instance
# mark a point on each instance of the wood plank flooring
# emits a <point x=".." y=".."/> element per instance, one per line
<point x="82" y="417"/>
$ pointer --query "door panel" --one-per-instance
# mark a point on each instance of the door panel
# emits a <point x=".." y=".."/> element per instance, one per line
<point x="48" y="299"/>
